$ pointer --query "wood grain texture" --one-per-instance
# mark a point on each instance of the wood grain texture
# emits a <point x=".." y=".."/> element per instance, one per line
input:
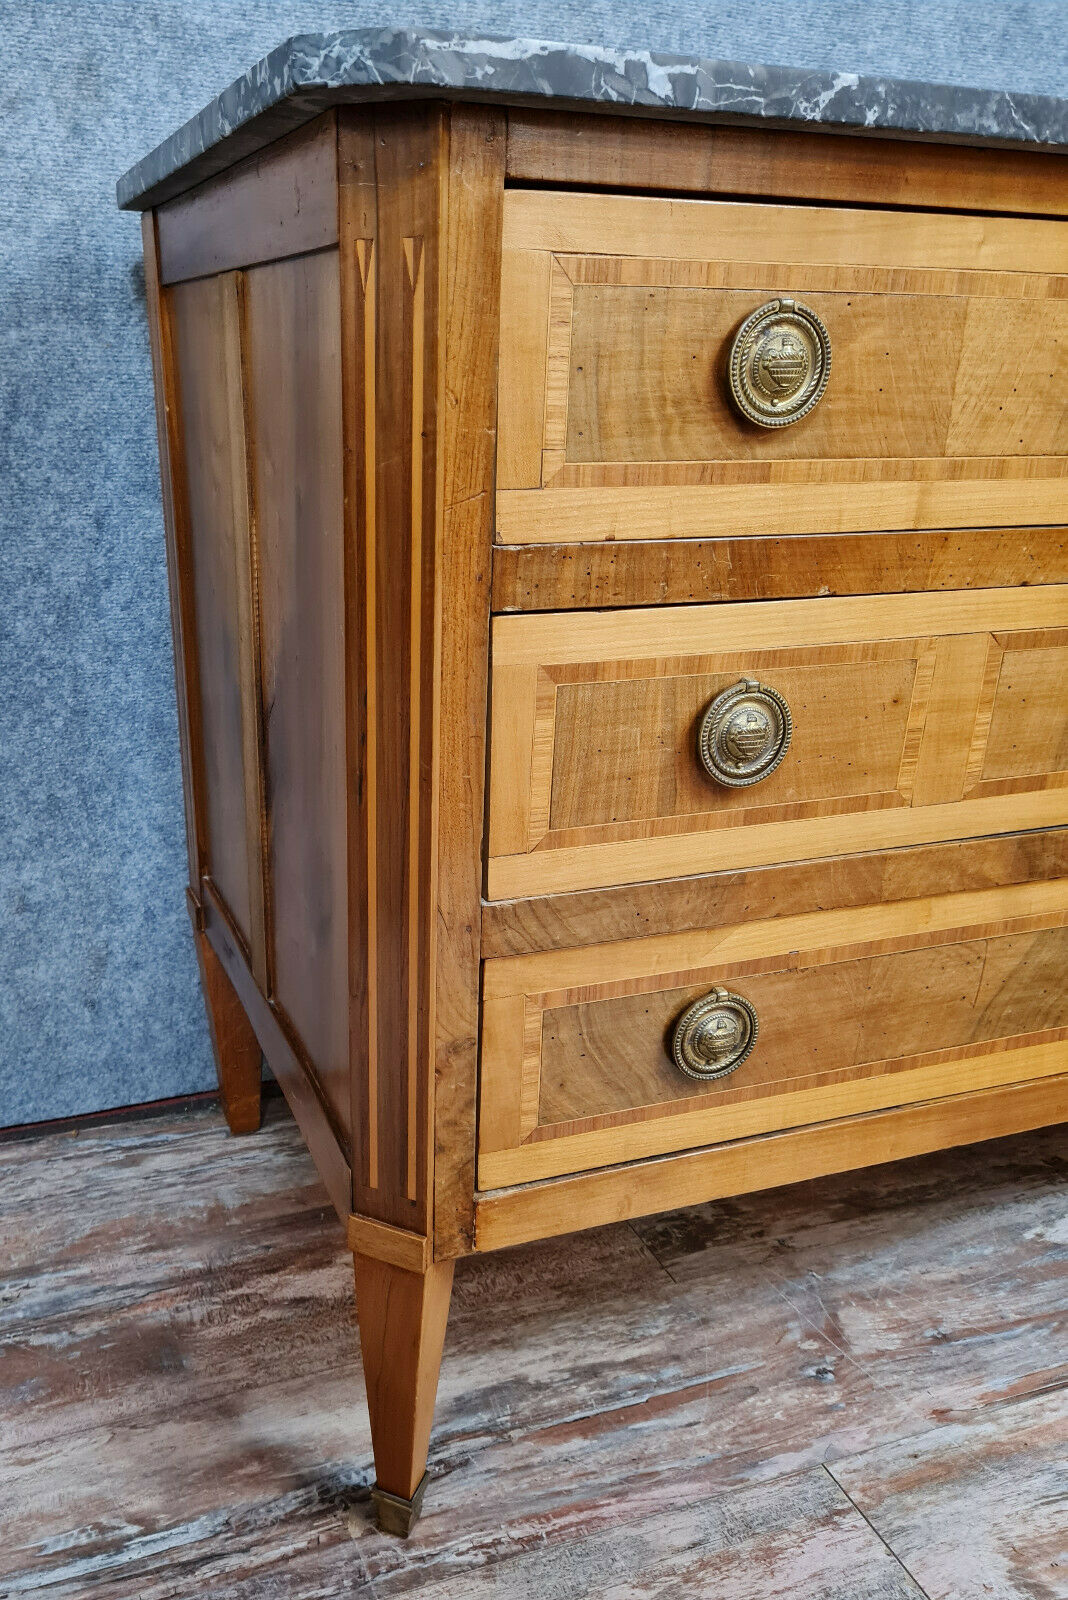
<point x="742" y="510"/>
<point x="679" y="230"/>
<point x="595" y="733"/>
<point x="915" y="377"/>
<point x="238" y="1057"/>
<point x="861" y="1015"/>
<point x="858" y="1009"/>
<point x="666" y="952"/>
<point x="995" y="1480"/>
<point x="420" y="194"/>
<point x="563" y="577"/>
<point x="327" y="1139"/>
<point x="947" y="339"/>
<point x="540" y="1211"/>
<point x="176" y="539"/>
<point x="294" y="383"/>
<point x="558" y="641"/>
<point x="473" y="201"/>
<point x="552" y="147"/>
<point x="280" y="202"/>
<point x="396" y="1246"/>
<point x="517" y="927"/>
<point x="623" y="750"/>
<point x="741" y="1345"/>
<point x="205" y="321"/>
<point x="402" y="1317"/>
<point x="391" y="170"/>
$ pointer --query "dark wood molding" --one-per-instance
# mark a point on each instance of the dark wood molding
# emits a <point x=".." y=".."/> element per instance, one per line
<point x="280" y="202"/>
<point x="564" y="577"/>
<point x="595" y="916"/>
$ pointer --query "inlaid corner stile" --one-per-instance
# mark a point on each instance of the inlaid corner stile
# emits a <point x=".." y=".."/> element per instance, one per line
<point x="412" y="226"/>
<point x="387" y="184"/>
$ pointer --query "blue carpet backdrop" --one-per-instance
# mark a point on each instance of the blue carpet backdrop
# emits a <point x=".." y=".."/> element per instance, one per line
<point x="98" y="998"/>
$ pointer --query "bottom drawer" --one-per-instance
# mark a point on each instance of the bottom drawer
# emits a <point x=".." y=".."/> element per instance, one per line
<point x="588" y="1053"/>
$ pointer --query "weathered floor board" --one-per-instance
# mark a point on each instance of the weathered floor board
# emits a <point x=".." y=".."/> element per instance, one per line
<point x="979" y="1507"/>
<point x="789" y="1395"/>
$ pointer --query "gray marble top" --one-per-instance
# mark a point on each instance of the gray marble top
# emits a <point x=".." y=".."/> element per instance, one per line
<point x="311" y="72"/>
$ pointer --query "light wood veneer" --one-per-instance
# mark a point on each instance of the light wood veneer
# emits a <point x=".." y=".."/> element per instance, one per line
<point x="916" y="718"/>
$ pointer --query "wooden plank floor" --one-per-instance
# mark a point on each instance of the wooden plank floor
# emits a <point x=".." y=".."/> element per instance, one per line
<point x="853" y="1388"/>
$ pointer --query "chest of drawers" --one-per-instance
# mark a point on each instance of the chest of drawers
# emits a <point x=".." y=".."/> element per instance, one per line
<point x="620" y="601"/>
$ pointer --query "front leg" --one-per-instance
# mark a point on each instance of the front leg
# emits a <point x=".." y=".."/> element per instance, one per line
<point x="402" y="1317"/>
<point x="238" y="1058"/>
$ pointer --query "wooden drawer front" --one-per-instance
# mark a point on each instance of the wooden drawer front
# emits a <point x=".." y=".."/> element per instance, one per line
<point x="945" y="405"/>
<point x="915" y="718"/>
<point x="858" y="1010"/>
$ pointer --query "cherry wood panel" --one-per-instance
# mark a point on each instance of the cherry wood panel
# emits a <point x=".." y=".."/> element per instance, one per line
<point x="564" y="921"/>
<point x="591" y="1199"/>
<point x="783" y="504"/>
<point x="276" y="203"/>
<point x="327" y="1140"/>
<point x="553" y="147"/>
<point x="623" y="749"/>
<point x="204" y="318"/>
<point x="1028" y="727"/>
<point x="560" y="577"/>
<point x="858" y="1008"/>
<point x="294" y="383"/>
<point x="594" y="775"/>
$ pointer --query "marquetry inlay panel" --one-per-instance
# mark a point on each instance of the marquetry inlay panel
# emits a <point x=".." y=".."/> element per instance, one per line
<point x="950" y="355"/>
<point x="857" y="1010"/>
<point x="915" y="718"/>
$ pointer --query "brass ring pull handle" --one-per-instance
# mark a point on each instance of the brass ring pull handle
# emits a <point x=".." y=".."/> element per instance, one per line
<point x="713" y="1036"/>
<point x="744" y="734"/>
<point x="779" y="363"/>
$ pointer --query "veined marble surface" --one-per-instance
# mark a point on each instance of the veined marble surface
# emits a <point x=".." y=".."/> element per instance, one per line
<point x="311" y="72"/>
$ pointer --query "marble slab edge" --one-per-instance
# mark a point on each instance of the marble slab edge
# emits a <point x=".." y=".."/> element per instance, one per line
<point x="312" y="72"/>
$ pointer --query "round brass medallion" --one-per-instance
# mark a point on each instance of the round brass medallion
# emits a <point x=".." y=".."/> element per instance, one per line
<point x="714" y="1036"/>
<point x="744" y="734"/>
<point x="779" y="363"/>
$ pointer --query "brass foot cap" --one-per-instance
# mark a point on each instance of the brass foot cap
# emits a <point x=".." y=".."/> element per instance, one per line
<point x="395" y="1514"/>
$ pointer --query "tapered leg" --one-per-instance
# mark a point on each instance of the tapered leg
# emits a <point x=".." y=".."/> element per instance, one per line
<point x="238" y="1058"/>
<point x="402" y="1317"/>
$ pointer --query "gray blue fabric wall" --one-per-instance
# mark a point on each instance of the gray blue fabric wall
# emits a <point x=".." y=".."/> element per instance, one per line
<point x="99" y="1004"/>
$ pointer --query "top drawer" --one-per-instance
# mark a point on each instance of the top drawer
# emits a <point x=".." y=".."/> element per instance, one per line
<point x="948" y="365"/>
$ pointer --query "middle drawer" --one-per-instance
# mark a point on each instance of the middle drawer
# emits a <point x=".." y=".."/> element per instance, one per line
<point x="656" y="743"/>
